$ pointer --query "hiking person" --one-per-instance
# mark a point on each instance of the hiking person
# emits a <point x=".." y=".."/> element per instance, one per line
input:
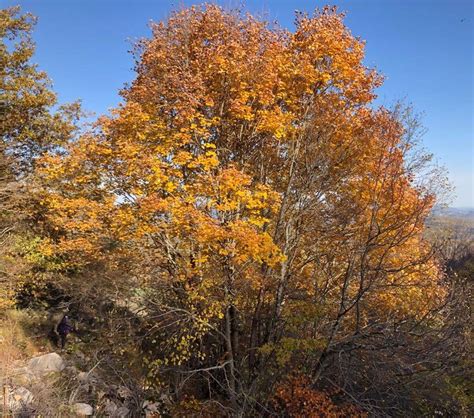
<point x="55" y="316"/>
<point x="63" y="329"/>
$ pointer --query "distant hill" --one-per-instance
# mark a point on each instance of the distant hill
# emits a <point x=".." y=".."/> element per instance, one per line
<point x="452" y="212"/>
<point x="460" y="220"/>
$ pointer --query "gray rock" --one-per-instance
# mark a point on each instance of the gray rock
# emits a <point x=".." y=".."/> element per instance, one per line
<point x="83" y="409"/>
<point x="23" y="376"/>
<point x="47" y="363"/>
<point x="112" y="410"/>
<point x="18" y="398"/>
<point x="122" y="412"/>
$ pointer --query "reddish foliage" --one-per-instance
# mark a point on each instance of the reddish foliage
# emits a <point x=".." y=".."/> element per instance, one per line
<point x="296" y="398"/>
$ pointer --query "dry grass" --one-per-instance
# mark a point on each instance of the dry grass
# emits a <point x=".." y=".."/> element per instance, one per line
<point x="22" y="336"/>
<point x="15" y="343"/>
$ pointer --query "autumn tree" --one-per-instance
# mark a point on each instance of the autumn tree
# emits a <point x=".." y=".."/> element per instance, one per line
<point x="28" y="128"/>
<point x="265" y="216"/>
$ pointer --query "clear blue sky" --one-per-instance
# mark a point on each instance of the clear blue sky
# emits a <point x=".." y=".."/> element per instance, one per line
<point x="423" y="47"/>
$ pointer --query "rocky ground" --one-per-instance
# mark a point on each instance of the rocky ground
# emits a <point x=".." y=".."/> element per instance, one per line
<point x="39" y="380"/>
<point x="30" y="387"/>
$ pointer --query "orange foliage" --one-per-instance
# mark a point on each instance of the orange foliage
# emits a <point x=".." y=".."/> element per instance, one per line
<point x="295" y="398"/>
<point x="248" y="178"/>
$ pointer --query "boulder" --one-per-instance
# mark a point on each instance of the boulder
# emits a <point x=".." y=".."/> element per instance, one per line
<point x="18" y="399"/>
<point x="112" y="410"/>
<point x="47" y="363"/>
<point x="122" y="412"/>
<point x="82" y="409"/>
<point x="23" y="376"/>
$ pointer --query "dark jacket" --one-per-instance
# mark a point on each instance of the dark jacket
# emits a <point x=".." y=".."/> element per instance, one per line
<point x="65" y="326"/>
